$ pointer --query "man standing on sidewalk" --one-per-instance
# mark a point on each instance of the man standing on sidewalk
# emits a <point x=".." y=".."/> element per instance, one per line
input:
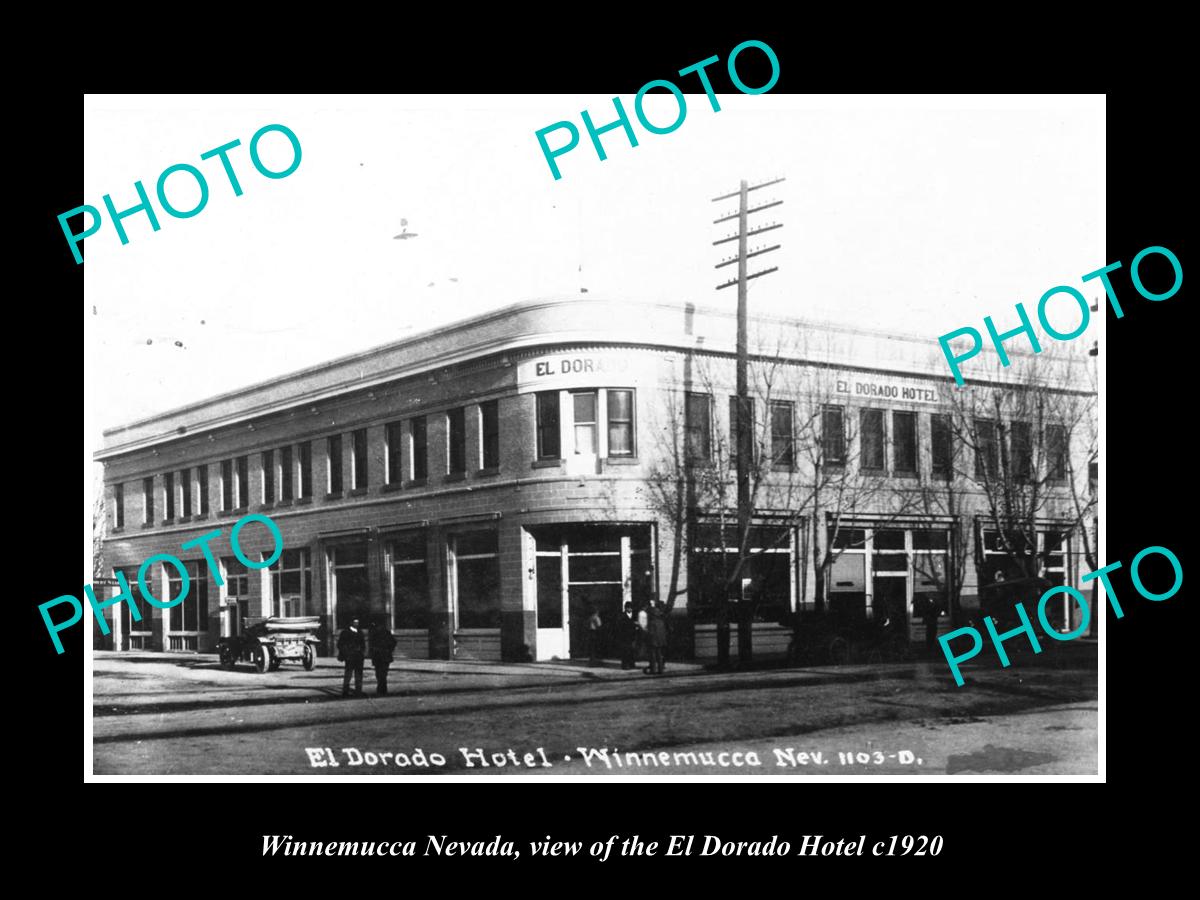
<point x="628" y="637"/>
<point x="383" y="645"/>
<point x="656" y="638"/>
<point x="594" y="625"/>
<point x="351" y="649"/>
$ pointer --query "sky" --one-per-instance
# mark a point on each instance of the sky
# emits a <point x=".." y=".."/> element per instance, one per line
<point x="916" y="215"/>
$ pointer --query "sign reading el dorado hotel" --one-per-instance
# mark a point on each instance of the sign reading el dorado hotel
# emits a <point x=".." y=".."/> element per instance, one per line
<point x="860" y="389"/>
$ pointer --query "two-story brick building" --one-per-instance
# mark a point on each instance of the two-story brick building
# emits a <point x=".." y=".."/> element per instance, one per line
<point x="481" y="487"/>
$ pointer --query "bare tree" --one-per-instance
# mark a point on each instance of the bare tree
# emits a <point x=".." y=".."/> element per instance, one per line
<point x="802" y="477"/>
<point x="1024" y="442"/>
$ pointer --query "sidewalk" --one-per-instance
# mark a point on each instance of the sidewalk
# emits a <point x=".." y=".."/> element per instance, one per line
<point x="566" y="668"/>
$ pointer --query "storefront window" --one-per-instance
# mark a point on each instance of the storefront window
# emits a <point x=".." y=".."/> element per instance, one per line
<point x="237" y="594"/>
<point x="128" y="625"/>
<point x="291" y="586"/>
<point x="765" y="580"/>
<point x="350" y="585"/>
<point x="410" y="581"/>
<point x="477" y="579"/>
<point x="192" y="613"/>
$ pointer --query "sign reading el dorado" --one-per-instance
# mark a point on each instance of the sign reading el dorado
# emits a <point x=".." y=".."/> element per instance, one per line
<point x="570" y="368"/>
<point x="867" y="388"/>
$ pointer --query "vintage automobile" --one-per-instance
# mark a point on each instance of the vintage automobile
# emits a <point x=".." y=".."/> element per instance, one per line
<point x="270" y="642"/>
<point x="1000" y="598"/>
<point x="827" y="639"/>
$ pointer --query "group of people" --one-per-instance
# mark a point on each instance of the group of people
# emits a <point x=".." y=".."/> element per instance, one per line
<point x="643" y="633"/>
<point x="352" y="649"/>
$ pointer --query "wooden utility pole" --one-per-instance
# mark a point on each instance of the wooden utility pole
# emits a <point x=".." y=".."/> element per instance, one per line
<point x="745" y="413"/>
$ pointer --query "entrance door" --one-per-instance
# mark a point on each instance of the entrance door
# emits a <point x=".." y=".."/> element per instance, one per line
<point x="889" y="602"/>
<point x="581" y="567"/>
<point x="595" y="580"/>
<point x="606" y="600"/>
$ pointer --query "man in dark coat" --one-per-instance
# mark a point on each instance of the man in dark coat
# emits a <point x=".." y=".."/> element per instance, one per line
<point x="656" y="638"/>
<point x="351" y="649"/>
<point x="594" y="624"/>
<point x="383" y="643"/>
<point x="927" y="609"/>
<point x="628" y="636"/>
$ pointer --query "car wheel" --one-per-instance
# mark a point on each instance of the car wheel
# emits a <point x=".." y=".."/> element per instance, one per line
<point x="262" y="659"/>
<point x="310" y="657"/>
<point x="228" y="657"/>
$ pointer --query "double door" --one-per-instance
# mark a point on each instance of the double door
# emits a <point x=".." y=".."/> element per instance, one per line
<point x="583" y="570"/>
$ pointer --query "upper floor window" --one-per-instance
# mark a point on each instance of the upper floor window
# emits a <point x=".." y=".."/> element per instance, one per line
<point x="548" y="439"/>
<point x="169" y="495"/>
<point x="358" y="460"/>
<point x="870" y="426"/>
<point x="243" y="481"/>
<point x="305" y="468"/>
<point x="185" y="489"/>
<point x="148" y="499"/>
<point x="118" y="505"/>
<point x="268" y="476"/>
<point x="226" y="484"/>
<point x="621" y="428"/>
<point x="1020" y="448"/>
<point x="202" y="488"/>
<point x="904" y="442"/>
<point x="394" y="437"/>
<point x="335" y="464"/>
<point x="584" y="403"/>
<point x="833" y="435"/>
<point x="697" y="428"/>
<point x="456" y="441"/>
<point x="1056" y="452"/>
<point x="986" y="449"/>
<point x="285" y="473"/>
<point x="783" y="438"/>
<point x="734" y="406"/>
<point x="941" y="447"/>
<point x="420" y="448"/>
<point x="489" y="434"/>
